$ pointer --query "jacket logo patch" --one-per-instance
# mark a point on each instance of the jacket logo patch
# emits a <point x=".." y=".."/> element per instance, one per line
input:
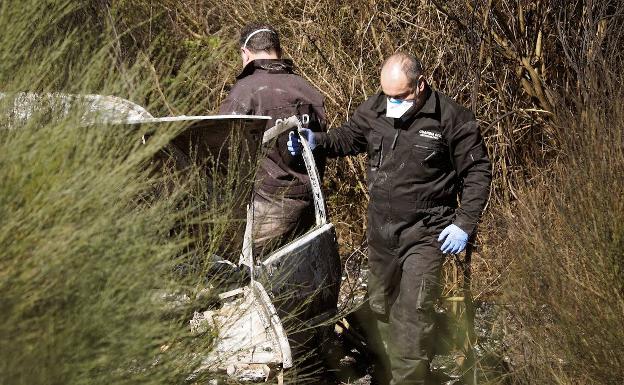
<point x="430" y="134"/>
<point x="304" y="119"/>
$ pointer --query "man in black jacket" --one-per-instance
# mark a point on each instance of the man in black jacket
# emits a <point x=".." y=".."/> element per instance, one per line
<point x="424" y="150"/>
<point x="283" y="206"/>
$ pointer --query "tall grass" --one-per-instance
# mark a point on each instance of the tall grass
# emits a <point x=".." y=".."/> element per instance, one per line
<point x="542" y="77"/>
<point x="88" y="250"/>
<point x="565" y="237"/>
<point x="565" y="287"/>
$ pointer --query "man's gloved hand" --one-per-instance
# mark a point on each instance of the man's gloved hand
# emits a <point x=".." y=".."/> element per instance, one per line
<point x="294" y="144"/>
<point x="456" y="239"/>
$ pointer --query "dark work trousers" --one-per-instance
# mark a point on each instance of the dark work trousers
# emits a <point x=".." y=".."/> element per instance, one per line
<point x="405" y="262"/>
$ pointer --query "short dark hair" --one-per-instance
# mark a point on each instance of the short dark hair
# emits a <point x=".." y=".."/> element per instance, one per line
<point x="412" y="67"/>
<point x="262" y="41"/>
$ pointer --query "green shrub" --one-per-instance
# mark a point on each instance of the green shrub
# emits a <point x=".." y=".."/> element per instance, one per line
<point x="89" y="252"/>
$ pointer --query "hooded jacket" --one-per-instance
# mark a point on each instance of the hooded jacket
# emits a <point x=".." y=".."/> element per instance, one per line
<point x="270" y="87"/>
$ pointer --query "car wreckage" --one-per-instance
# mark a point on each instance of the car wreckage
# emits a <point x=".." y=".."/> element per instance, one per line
<point x="302" y="277"/>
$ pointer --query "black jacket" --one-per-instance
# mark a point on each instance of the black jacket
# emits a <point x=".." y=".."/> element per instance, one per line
<point x="423" y="160"/>
<point x="270" y="87"/>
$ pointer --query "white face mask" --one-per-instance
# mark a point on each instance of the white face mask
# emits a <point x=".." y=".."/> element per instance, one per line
<point x="395" y="108"/>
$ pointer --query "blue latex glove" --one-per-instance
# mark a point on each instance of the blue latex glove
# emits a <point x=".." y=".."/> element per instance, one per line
<point x="456" y="239"/>
<point x="294" y="143"/>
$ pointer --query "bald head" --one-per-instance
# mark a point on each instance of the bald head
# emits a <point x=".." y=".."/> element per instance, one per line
<point x="400" y="76"/>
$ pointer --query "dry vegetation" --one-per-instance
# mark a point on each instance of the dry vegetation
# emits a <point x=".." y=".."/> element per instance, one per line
<point x="536" y="74"/>
<point x="544" y="78"/>
<point x="502" y="59"/>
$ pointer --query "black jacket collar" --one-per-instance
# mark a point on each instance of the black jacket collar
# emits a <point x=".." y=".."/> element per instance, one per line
<point x="273" y="66"/>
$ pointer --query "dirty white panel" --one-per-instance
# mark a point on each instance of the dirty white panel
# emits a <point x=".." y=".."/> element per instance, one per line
<point x="251" y="341"/>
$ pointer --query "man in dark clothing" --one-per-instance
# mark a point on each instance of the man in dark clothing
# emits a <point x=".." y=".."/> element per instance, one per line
<point x="283" y="206"/>
<point x="423" y="151"/>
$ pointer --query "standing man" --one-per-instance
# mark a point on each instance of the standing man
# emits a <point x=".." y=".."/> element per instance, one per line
<point x="424" y="150"/>
<point x="283" y="205"/>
